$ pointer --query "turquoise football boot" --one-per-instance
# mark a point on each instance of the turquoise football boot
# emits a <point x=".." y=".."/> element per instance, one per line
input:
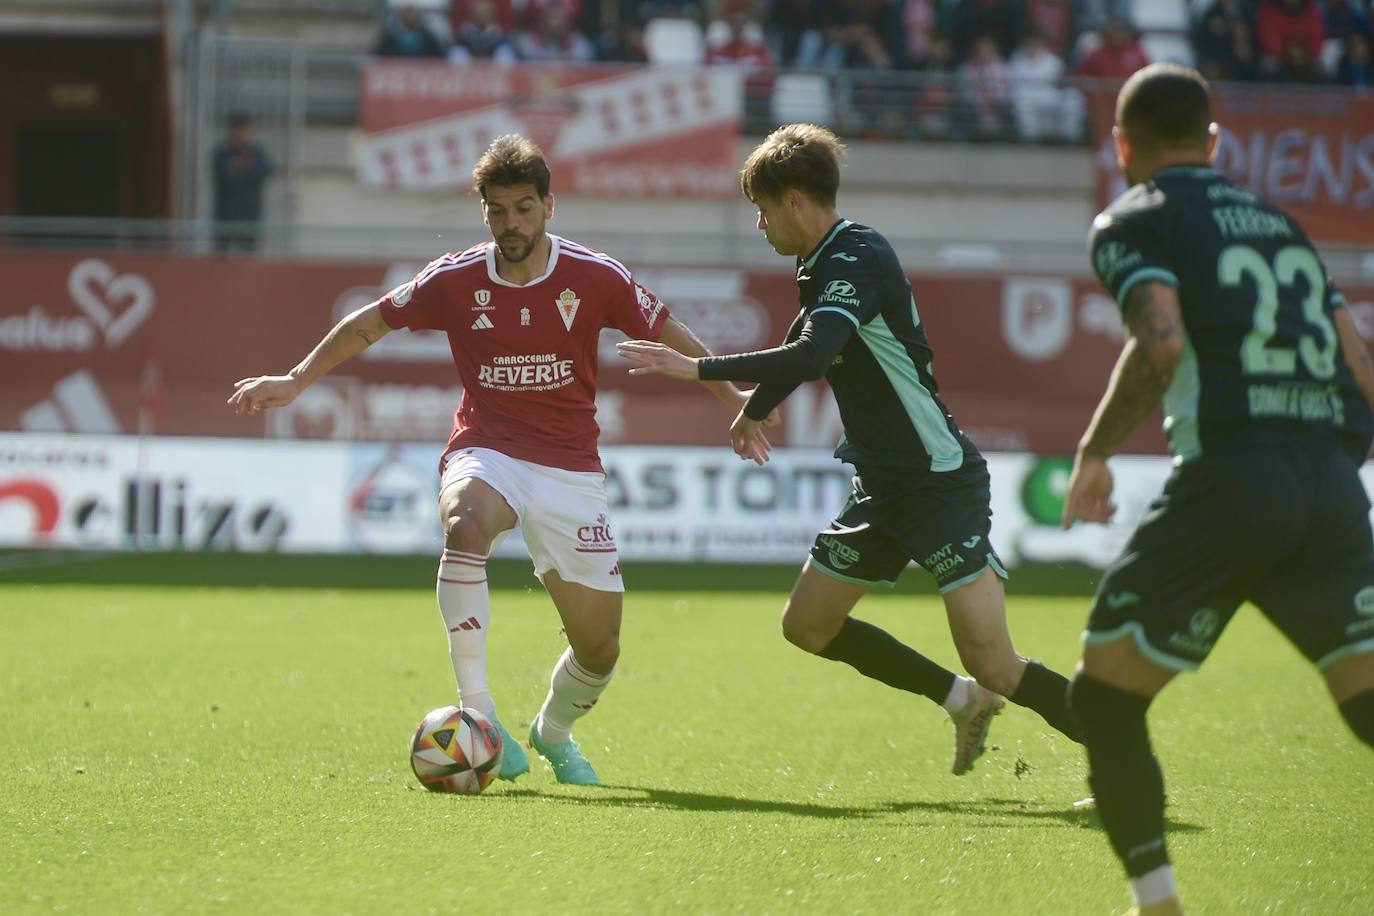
<point x="569" y="766"/>
<point x="514" y="762"/>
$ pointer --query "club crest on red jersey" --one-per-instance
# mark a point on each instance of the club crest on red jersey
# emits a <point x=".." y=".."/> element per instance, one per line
<point x="567" y="307"/>
<point x="483" y="299"/>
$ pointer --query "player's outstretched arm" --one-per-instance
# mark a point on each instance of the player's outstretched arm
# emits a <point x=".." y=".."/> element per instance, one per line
<point x="660" y="359"/>
<point x="1154" y="345"/>
<point x="349" y="337"/>
<point x="1356" y="353"/>
<point x="657" y="357"/>
<point x="682" y="339"/>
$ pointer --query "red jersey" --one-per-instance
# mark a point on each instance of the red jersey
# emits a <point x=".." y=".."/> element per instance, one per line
<point x="526" y="355"/>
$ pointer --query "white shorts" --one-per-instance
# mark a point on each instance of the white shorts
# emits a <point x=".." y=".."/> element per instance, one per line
<point x="561" y="514"/>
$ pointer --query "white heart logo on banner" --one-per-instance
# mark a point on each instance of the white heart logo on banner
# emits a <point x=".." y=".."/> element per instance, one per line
<point x="117" y="304"/>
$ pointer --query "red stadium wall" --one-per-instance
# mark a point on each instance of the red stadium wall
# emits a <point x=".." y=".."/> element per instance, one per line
<point x="114" y="343"/>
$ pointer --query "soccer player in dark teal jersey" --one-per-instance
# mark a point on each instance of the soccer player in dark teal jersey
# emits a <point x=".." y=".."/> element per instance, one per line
<point x="922" y="490"/>
<point x="1233" y="323"/>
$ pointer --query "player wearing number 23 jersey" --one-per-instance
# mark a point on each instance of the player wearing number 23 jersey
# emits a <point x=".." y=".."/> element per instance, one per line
<point x="1262" y="369"/>
<point x="1233" y="325"/>
<point x="1263" y="362"/>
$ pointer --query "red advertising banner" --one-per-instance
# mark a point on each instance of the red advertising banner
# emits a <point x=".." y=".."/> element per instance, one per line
<point x="115" y="343"/>
<point x="1309" y="152"/>
<point x="612" y="131"/>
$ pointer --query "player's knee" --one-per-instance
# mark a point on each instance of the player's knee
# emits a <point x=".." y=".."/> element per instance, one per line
<point x="992" y="666"/>
<point x="466" y="533"/>
<point x="803" y="632"/>
<point x="1358" y="712"/>
<point x="598" y="655"/>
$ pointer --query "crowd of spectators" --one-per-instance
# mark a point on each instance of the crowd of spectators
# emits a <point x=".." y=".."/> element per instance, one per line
<point x="1285" y="41"/>
<point x="801" y="34"/>
<point x="975" y="68"/>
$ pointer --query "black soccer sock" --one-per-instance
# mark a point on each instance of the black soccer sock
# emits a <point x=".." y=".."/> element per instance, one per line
<point x="1359" y="715"/>
<point x="1047" y="692"/>
<point x="876" y="654"/>
<point x="1122" y="770"/>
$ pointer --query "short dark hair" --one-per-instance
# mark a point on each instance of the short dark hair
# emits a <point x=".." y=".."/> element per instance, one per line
<point x="239" y="119"/>
<point x="509" y="161"/>
<point x="1165" y="106"/>
<point x="801" y="156"/>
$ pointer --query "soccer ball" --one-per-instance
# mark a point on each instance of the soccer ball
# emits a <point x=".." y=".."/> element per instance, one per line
<point x="455" y="750"/>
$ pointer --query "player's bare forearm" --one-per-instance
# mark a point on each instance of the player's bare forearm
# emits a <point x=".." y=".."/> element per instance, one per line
<point x="681" y="338"/>
<point x="347" y="339"/>
<point x="1142" y="374"/>
<point x="1132" y="395"/>
<point x="1356" y="353"/>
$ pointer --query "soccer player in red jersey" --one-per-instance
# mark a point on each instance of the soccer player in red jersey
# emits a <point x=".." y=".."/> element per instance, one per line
<point x="523" y="314"/>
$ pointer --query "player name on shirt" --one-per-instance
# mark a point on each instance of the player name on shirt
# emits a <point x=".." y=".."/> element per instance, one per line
<point x="1251" y="223"/>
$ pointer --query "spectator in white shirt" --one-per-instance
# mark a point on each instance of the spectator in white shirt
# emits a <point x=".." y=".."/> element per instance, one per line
<point x="1043" y="108"/>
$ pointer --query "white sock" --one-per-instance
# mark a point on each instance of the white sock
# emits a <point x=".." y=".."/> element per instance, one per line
<point x="572" y="694"/>
<point x="1154" y="886"/>
<point x="958" y="695"/>
<point x="466" y="607"/>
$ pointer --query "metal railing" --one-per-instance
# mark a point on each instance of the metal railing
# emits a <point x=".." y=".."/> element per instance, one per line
<point x="741" y="246"/>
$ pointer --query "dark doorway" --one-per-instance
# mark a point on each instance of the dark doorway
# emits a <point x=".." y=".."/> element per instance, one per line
<point x="85" y="127"/>
<point x="68" y="172"/>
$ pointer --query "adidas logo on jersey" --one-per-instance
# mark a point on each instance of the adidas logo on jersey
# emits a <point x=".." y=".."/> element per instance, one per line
<point x="482" y="323"/>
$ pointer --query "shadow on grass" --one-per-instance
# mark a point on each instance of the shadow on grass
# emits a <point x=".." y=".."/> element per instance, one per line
<point x="691" y="801"/>
<point x="239" y="570"/>
<point x="993" y="812"/>
<point x="1018" y="808"/>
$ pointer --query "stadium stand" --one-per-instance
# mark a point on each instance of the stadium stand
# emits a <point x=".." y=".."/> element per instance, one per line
<point x="294" y="67"/>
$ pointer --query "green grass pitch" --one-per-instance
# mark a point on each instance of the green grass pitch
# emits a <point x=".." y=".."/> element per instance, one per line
<point x="242" y="749"/>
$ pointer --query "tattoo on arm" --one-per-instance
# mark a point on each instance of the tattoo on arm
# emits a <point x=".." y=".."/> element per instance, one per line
<point x="1143" y="371"/>
<point x="1150" y="320"/>
<point x="345" y="340"/>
